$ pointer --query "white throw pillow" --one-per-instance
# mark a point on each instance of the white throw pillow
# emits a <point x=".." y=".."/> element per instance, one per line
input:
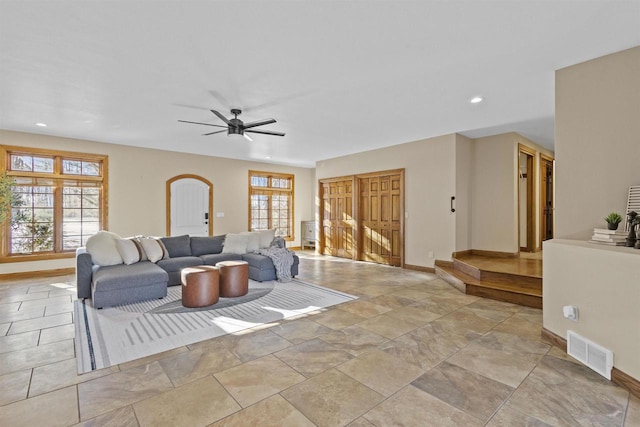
<point x="130" y="250"/>
<point x="153" y="248"/>
<point x="143" y="254"/>
<point x="103" y="249"/>
<point x="165" y="252"/>
<point x="235" y="244"/>
<point x="266" y="237"/>
<point x="253" y="240"/>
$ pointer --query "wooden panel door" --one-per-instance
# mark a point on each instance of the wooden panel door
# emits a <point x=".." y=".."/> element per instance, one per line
<point x="337" y="218"/>
<point x="380" y="218"/>
<point x="546" y="199"/>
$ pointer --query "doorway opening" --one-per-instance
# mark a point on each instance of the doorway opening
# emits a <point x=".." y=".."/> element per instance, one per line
<point x="526" y="206"/>
<point x="546" y="198"/>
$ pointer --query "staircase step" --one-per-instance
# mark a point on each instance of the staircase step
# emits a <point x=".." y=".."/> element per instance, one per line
<point x="468" y="269"/>
<point x="518" y="298"/>
<point x="446" y="274"/>
<point x="528" y="282"/>
<point x="459" y="275"/>
<point x="513" y="288"/>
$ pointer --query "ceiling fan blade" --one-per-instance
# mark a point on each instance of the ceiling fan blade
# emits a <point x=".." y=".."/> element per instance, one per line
<point x="213" y="133"/>
<point x="221" y="117"/>
<point x="248" y="137"/>
<point x="258" y="123"/>
<point x="198" y="123"/>
<point x="266" y="132"/>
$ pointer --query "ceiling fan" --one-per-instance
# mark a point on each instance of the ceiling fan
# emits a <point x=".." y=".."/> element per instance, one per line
<point x="235" y="126"/>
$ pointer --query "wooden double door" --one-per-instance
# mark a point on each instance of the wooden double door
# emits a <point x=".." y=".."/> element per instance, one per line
<point x="362" y="217"/>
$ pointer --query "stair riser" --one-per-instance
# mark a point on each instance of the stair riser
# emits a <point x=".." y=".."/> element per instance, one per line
<point x="442" y="263"/>
<point x="514" y="298"/>
<point x="505" y="278"/>
<point x="466" y="268"/>
<point x="450" y="279"/>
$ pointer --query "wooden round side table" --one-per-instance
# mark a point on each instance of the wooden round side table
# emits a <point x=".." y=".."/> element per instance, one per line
<point x="200" y="286"/>
<point x="234" y="278"/>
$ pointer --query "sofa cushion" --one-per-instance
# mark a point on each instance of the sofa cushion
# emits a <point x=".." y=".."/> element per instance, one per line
<point x="130" y="250"/>
<point x="266" y="237"/>
<point x="235" y="244"/>
<point x="103" y="249"/>
<point x="126" y="276"/>
<point x="153" y="248"/>
<point x="259" y="261"/>
<point x="253" y="240"/>
<point x="212" y="259"/>
<point x="177" y="246"/>
<point x="143" y="254"/>
<point x="206" y="245"/>
<point x="177" y="264"/>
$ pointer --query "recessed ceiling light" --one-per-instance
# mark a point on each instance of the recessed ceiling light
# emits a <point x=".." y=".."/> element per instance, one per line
<point x="268" y="157"/>
<point x="42" y="125"/>
<point x="476" y="99"/>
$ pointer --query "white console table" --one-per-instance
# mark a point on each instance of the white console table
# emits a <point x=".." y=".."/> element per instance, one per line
<point x="308" y="234"/>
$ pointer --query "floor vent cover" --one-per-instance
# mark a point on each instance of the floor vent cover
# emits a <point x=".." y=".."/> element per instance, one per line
<point x="591" y="354"/>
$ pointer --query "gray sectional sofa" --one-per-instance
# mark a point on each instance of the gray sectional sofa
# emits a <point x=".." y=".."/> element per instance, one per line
<point x="118" y="284"/>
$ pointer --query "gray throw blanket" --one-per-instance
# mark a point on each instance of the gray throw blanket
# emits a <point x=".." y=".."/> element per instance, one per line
<point x="282" y="258"/>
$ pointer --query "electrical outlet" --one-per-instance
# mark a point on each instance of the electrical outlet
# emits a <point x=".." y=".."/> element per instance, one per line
<point x="570" y="312"/>
<point x="430" y="254"/>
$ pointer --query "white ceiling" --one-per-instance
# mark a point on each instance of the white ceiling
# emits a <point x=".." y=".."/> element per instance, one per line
<point x="338" y="76"/>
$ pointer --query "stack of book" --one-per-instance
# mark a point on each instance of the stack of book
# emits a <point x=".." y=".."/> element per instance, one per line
<point x="609" y="237"/>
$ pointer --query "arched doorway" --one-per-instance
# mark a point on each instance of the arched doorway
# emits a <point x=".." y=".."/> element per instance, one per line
<point x="189" y="206"/>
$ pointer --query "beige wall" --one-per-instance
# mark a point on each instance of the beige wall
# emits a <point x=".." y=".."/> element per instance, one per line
<point x="494" y="214"/>
<point x="430" y="181"/>
<point x="597" y="159"/>
<point x="137" y="178"/>
<point x="597" y="140"/>
<point x="602" y="282"/>
<point x="481" y="174"/>
<point x="464" y="173"/>
<point x="494" y="201"/>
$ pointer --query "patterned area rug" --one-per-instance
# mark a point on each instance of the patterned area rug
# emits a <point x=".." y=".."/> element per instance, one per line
<point x="127" y="332"/>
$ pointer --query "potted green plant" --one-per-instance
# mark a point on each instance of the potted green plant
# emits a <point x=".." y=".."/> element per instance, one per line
<point x="613" y="219"/>
<point x="6" y="196"/>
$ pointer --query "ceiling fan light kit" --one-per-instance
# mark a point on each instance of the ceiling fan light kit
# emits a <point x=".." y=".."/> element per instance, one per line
<point x="236" y="127"/>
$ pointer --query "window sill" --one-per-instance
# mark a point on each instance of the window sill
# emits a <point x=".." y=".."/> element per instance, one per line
<point x="38" y="257"/>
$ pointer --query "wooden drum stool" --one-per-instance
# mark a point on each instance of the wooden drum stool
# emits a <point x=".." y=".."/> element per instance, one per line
<point x="234" y="278"/>
<point x="200" y="286"/>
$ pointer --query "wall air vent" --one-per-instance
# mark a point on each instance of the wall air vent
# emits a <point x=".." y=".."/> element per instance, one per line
<point x="591" y="354"/>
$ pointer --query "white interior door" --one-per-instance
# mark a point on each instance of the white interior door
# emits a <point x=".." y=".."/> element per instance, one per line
<point x="189" y="207"/>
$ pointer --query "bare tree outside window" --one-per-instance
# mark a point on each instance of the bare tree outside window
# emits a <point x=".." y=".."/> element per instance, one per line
<point x="271" y="202"/>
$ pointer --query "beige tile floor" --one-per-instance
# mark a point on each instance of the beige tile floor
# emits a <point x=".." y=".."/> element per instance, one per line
<point x="411" y="351"/>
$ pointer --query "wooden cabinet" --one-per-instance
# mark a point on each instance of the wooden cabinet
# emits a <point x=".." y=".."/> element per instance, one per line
<point x="308" y="234"/>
